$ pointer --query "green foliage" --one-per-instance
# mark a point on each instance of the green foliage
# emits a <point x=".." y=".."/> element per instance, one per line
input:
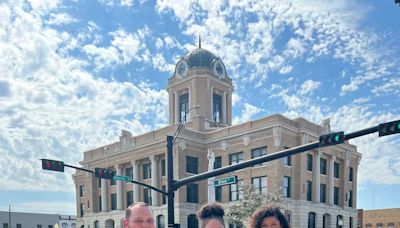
<point x="239" y="211"/>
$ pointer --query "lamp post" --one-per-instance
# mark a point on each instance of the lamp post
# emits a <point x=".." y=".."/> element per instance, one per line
<point x="170" y="170"/>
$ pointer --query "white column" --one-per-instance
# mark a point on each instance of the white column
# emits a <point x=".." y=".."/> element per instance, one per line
<point x="154" y="179"/>
<point x="120" y="185"/>
<point x="104" y="195"/>
<point x="331" y="168"/>
<point x="176" y="107"/>
<point x="136" y="190"/>
<point x="211" y="103"/>
<point x="224" y="116"/>
<point x="190" y="104"/>
<point x="316" y="176"/>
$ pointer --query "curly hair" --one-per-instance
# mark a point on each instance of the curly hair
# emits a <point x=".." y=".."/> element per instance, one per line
<point x="211" y="211"/>
<point x="260" y="214"/>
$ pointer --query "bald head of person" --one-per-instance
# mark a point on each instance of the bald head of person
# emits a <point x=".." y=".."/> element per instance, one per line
<point x="139" y="215"/>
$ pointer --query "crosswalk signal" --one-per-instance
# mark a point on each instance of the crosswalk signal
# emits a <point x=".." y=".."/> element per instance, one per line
<point x="389" y="128"/>
<point x="53" y="165"/>
<point x="104" y="173"/>
<point x="331" y="139"/>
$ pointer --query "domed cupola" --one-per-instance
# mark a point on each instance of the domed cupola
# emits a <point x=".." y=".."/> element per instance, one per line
<point x="200" y="58"/>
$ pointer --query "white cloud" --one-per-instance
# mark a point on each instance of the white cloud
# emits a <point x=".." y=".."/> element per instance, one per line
<point x="391" y="86"/>
<point x="61" y="19"/>
<point x="309" y="86"/>
<point x="45" y="207"/>
<point x="54" y="108"/>
<point x="248" y="113"/>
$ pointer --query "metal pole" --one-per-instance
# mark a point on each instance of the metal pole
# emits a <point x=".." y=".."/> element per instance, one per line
<point x="265" y="158"/>
<point x="171" y="188"/>
<point x="9" y="216"/>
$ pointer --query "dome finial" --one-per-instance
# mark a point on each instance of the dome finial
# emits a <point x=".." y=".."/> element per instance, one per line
<point x="199" y="41"/>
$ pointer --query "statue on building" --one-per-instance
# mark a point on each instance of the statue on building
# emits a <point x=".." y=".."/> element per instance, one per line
<point x="211" y="189"/>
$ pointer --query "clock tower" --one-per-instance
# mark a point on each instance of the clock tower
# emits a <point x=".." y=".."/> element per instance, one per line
<point x="200" y="92"/>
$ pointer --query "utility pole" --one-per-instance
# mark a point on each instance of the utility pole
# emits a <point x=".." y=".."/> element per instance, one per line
<point x="9" y="216"/>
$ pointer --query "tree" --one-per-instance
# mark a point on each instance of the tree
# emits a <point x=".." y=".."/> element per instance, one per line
<point x="239" y="211"/>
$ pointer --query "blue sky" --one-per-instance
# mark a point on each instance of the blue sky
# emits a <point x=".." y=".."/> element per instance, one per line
<point x="73" y="74"/>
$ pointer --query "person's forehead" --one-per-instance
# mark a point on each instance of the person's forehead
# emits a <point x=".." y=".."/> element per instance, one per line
<point x="141" y="212"/>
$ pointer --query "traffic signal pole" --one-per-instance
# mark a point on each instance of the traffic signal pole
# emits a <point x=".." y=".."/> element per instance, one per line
<point x="170" y="178"/>
<point x="265" y="158"/>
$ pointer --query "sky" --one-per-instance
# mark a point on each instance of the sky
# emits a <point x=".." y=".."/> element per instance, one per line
<point x="73" y="74"/>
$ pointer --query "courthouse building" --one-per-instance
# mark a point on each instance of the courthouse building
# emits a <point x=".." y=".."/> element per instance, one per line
<point x="319" y="186"/>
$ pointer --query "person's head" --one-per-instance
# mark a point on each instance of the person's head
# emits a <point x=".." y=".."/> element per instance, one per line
<point x="139" y="215"/>
<point x="211" y="216"/>
<point x="268" y="217"/>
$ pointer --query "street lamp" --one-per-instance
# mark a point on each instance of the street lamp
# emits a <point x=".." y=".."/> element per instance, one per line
<point x="182" y="122"/>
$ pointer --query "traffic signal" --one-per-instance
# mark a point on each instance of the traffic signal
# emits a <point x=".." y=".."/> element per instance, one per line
<point x="104" y="173"/>
<point x="389" y="128"/>
<point x="331" y="139"/>
<point x="53" y="165"/>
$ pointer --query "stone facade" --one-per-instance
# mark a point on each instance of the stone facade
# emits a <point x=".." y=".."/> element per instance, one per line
<point x="382" y="218"/>
<point x="201" y="91"/>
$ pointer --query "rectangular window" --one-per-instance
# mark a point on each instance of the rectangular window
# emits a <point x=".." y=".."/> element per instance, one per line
<point x="50" y="226"/>
<point x="129" y="198"/>
<point x="288" y="159"/>
<point x="5" y="225"/>
<point x="350" y="173"/>
<point x="336" y="195"/>
<point x="322" y="166"/>
<point x="147" y="196"/>
<point x="129" y="172"/>
<point x="114" y="201"/>
<point x="259" y="184"/>
<point x="99" y="182"/>
<point x="322" y="193"/>
<point x="113" y="182"/>
<point x="163" y="167"/>
<point x="218" y="162"/>
<point x="19" y="225"/>
<point x="309" y="162"/>
<point x="309" y="190"/>
<point x="350" y="198"/>
<point x="81" y="191"/>
<point x="217" y="108"/>
<point x="192" y="164"/>
<point x="235" y="158"/>
<point x="286" y="186"/>
<point x="336" y="168"/>
<point x="82" y="207"/>
<point x="192" y="194"/>
<point x="351" y="222"/>
<point x="235" y="191"/>
<point x="164" y="197"/>
<point x="147" y="171"/>
<point x="39" y="226"/>
<point x="100" y="204"/>
<point x="183" y="106"/>
<point x="218" y="193"/>
<point x="258" y="153"/>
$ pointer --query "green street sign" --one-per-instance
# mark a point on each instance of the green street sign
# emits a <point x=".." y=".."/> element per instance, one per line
<point x="225" y="181"/>
<point x="122" y="178"/>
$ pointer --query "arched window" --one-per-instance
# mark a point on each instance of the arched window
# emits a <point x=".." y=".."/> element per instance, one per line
<point x="160" y="221"/>
<point x="326" y="220"/>
<point x="339" y="221"/>
<point x="96" y="224"/>
<point x="109" y="223"/>
<point x="288" y="215"/>
<point x="311" y="220"/>
<point x="64" y="225"/>
<point x="73" y="225"/>
<point x="192" y="221"/>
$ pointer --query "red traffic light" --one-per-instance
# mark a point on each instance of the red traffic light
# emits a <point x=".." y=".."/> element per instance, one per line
<point x="52" y="165"/>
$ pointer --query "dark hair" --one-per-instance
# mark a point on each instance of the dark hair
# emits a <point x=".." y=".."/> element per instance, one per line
<point x="211" y="211"/>
<point x="128" y="210"/>
<point x="264" y="212"/>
